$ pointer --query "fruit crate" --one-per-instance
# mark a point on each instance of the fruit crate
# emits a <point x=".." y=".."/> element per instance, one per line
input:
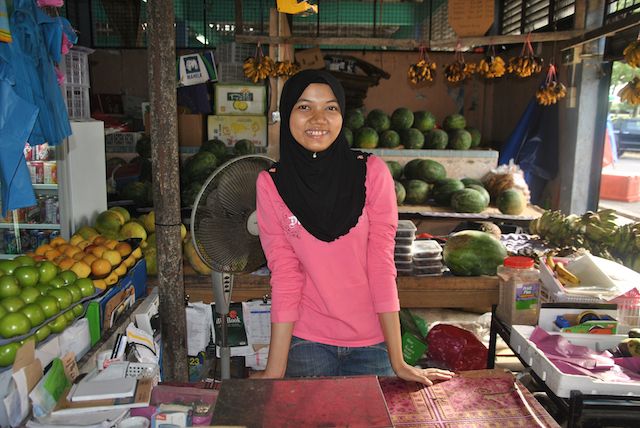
<point x="75" y="67"/>
<point x="233" y="53"/>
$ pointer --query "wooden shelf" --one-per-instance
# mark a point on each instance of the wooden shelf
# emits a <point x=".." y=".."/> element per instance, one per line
<point x="44" y="226"/>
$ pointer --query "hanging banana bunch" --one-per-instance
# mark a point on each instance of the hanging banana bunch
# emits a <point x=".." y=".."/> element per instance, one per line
<point x="285" y="69"/>
<point x="492" y="66"/>
<point x="632" y="53"/>
<point x="630" y="94"/>
<point x="552" y="90"/>
<point x="527" y="64"/>
<point x="458" y="70"/>
<point x="258" y="67"/>
<point x="423" y="70"/>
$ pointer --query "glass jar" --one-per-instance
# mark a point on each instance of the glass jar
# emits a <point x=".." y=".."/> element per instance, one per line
<point x="519" y="291"/>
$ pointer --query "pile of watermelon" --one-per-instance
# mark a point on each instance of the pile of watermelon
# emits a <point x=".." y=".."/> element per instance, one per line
<point x="408" y="130"/>
<point x="424" y="181"/>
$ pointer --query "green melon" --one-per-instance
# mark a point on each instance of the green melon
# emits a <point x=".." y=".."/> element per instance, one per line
<point x="354" y="119"/>
<point x="430" y="171"/>
<point x="436" y="139"/>
<point x="512" y="202"/>
<point x="482" y="191"/>
<point x="401" y="193"/>
<point x="411" y="168"/>
<point x="424" y="121"/>
<point x="412" y="139"/>
<point x="454" y="121"/>
<point x="395" y="168"/>
<point x="244" y="147"/>
<point x="417" y="192"/>
<point x="459" y="140"/>
<point x="348" y="135"/>
<point x="469" y="181"/>
<point x="443" y="190"/>
<point x="378" y="120"/>
<point x="476" y="137"/>
<point x="473" y="253"/>
<point x="401" y="118"/>
<point x="215" y="146"/>
<point x="468" y="201"/>
<point x="366" y="138"/>
<point x="389" y="139"/>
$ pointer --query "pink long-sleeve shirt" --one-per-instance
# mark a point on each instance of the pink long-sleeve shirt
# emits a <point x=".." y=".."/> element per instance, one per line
<point x="332" y="291"/>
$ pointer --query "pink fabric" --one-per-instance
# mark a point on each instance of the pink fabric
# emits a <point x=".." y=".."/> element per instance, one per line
<point x="66" y="44"/>
<point x="580" y="360"/>
<point x="59" y="75"/>
<point x="333" y="291"/>
<point x="50" y="3"/>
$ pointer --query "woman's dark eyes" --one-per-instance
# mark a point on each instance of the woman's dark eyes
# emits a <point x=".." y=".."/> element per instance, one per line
<point x="306" y="107"/>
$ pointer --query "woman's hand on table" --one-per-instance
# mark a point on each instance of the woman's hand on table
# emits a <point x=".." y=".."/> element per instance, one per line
<point x="425" y="376"/>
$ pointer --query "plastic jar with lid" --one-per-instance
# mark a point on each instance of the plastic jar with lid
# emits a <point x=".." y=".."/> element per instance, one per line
<point x="519" y="291"/>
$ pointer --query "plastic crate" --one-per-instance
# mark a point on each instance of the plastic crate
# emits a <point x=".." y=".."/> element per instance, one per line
<point x="233" y="52"/>
<point x="77" y="101"/>
<point x="231" y="73"/>
<point x="75" y="66"/>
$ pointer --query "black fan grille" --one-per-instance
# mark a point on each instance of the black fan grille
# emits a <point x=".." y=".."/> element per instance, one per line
<point x="220" y="215"/>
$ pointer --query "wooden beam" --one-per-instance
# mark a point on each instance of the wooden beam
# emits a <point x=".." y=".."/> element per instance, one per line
<point x="411" y="44"/>
<point x="604" y="31"/>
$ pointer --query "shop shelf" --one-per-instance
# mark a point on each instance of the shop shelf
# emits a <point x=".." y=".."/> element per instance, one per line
<point x="45" y="226"/>
<point x="45" y="187"/>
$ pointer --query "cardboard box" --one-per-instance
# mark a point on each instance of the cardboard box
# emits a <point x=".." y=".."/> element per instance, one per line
<point x="191" y="130"/>
<point x="230" y="129"/>
<point x="240" y="99"/>
<point x="310" y="59"/>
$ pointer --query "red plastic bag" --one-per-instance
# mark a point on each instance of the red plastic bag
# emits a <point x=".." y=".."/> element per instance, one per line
<point x="456" y="348"/>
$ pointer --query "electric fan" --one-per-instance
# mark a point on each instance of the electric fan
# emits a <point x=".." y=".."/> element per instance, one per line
<point x="224" y="230"/>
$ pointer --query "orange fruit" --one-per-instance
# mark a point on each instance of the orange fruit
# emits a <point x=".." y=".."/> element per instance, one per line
<point x="137" y="253"/>
<point x="121" y="270"/>
<point x="66" y="263"/>
<point x="129" y="261"/>
<point x="124" y="248"/>
<point x="75" y="239"/>
<point x="99" y="250"/>
<point x="58" y="240"/>
<point x="63" y="247"/>
<point x="100" y="283"/>
<point x="72" y="251"/>
<point x="111" y="244"/>
<point x="113" y="257"/>
<point x="81" y="269"/>
<point x="100" y="268"/>
<point x="83" y="244"/>
<point x="89" y="258"/>
<point x="78" y="256"/>
<point x="111" y="279"/>
<point x="52" y="254"/>
<point x="99" y="239"/>
<point x="42" y="249"/>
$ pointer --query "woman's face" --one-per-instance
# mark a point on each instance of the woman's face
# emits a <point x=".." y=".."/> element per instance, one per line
<point x="316" y="119"/>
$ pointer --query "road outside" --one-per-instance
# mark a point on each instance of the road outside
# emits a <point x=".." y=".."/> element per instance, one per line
<point x="629" y="164"/>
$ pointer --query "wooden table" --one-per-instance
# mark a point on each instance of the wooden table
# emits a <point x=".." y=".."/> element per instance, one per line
<point x="415" y="292"/>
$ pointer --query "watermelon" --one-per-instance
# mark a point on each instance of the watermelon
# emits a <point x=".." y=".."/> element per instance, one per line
<point x="412" y="139"/>
<point x="401" y="193"/>
<point x="436" y="139"/>
<point x="401" y="118"/>
<point x="443" y="190"/>
<point x="468" y="201"/>
<point x="395" y="168"/>
<point x="378" y="120"/>
<point x="244" y="147"/>
<point x="348" y="135"/>
<point x="459" y="140"/>
<point x="366" y="138"/>
<point x="430" y="171"/>
<point x="199" y="166"/>
<point x="389" y="139"/>
<point x="469" y="181"/>
<point x="473" y="253"/>
<point x="476" y="137"/>
<point x="189" y="193"/>
<point x="354" y="119"/>
<point x="424" y="121"/>
<point x="417" y="192"/>
<point x="215" y="146"/>
<point x="411" y="168"/>
<point x="482" y="191"/>
<point x="454" y="121"/>
<point x="511" y="201"/>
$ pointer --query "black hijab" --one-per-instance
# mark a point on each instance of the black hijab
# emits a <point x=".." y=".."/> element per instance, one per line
<point x="326" y="193"/>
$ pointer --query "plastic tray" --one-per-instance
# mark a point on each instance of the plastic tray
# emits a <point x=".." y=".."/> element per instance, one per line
<point x="431" y="270"/>
<point x="402" y="249"/>
<point x="430" y="262"/>
<point x="405" y="258"/>
<point x="406" y="229"/>
<point x="426" y="248"/>
<point x="404" y="265"/>
<point x="404" y="241"/>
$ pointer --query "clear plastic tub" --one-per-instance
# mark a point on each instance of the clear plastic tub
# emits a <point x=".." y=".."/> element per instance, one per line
<point x="423" y="249"/>
<point x="403" y="249"/>
<point x="404" y="265"/>
<point x="435" y="261"/>
<point x="406" y="229"/>
<point x="430" y="270"/>
<point x="406" y="258"/>
<point x="404" y="241"/>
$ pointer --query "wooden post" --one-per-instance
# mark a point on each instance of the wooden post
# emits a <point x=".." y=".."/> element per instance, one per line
<point x="166" y="187"/>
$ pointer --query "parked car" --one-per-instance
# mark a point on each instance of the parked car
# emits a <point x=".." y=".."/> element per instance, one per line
<point x="627" y="133"/>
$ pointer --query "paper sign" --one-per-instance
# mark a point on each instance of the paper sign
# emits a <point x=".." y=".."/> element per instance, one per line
<point x="470" y="18"/>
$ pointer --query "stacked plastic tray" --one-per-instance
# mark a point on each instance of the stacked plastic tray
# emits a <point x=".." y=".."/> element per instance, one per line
<point x="427" y="258"/>
<point x="403" y="254"/>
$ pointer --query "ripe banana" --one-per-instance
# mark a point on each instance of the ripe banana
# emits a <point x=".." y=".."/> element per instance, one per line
<point x="492" y="67"/>
<point x="525" y="65"/>
<point x="258" y="68"/>
<point x="632" y="53"/>
<point x="550" y="262"/>
<point x="631" y="92"/>
<point x="459" y="71"/>
<point x="422" y="71"/>
<point x="550" y="93"/>
<point x="564" y="274"/>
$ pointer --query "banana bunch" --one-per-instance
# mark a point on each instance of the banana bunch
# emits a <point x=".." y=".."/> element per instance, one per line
<point x="632" y="54"/>
<point x="258" y="68"/>
<point x="491" y="67"/>
<point x="284" y="69"/>
<point x="565" y="277"/>
<point x="458" y="71"/>
<point x="626" y="245"/>
<point x="630" y="94"/>
<point x="550" y="93"/>
<point x="525" y="65"/>
<point x="558" y="230"/>
<point x="422" y="71"/>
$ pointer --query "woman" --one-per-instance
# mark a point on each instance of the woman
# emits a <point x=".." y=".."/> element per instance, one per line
<point x="327" y="217"/>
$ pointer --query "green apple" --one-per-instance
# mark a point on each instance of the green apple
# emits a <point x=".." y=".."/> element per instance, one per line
<point x="42" y="333"/>
<point x="78" y="310"/>
<point x="34" y="312"/>
<point x="27" y="276"/>
<point x="3" y="311"/>
<point x="63" y="297"/>
<point x="9" y="286"/>
<point x="58" y="325"/>
<point x="30" y="294"/>
<point x="12" y="304"/>
<point x="25" y="261"/>
<point x="57" y="282"/>
<point x="68" y="276"/>
<point x="49" y="305"/>
<point x="75" y="292"/>
<point x="70" y="316"/>
<point x="86" y="286"/>
<point x="8" y="266"/>
<point x="43" y="288"/>
<point x="8" y="353"/>
<point x="15" y="324"/>
<point x="48" y="270"/>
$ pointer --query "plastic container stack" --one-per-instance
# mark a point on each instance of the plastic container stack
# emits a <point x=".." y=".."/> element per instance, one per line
<point x="427" y="258"/>
<point x="403" y="253"/>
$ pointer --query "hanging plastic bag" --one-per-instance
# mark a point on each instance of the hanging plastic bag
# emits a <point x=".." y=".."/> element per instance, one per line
<point x="456" y="348"/>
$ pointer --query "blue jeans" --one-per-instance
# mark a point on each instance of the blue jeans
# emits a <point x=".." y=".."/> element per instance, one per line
<point x="307" y="358"/>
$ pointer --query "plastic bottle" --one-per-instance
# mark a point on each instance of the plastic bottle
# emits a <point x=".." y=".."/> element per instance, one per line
<point x="519" y="291"/>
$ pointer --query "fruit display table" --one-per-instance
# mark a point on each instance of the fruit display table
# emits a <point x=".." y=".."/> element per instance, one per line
<point x="491" y="213"/>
